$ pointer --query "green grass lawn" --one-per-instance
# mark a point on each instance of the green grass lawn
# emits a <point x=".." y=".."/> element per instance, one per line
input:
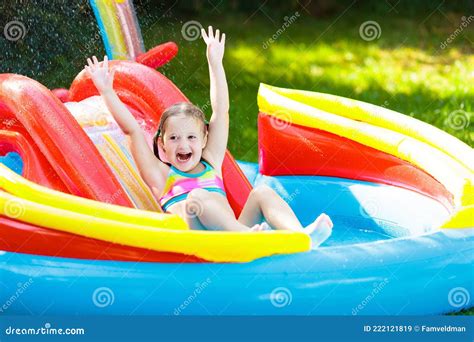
<point x="404" y="70"/>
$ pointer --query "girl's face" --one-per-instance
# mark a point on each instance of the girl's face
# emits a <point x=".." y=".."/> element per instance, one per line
<point x="183" y="141"/>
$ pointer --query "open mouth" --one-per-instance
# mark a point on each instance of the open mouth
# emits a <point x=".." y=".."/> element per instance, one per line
<point x="183" y="157"/>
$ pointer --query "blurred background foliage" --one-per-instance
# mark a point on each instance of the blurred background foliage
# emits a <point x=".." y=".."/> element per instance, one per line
<point x="406" y="68"/>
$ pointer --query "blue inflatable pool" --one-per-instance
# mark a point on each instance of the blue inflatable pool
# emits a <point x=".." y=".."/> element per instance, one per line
<point x="383" y="259"/>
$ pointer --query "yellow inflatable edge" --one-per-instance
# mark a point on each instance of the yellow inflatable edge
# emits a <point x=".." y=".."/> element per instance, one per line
<point x="386" y="118"/>
<point x="211" y="246"/>
<point x="23" y="188"/>
<point x="462" y="218"/>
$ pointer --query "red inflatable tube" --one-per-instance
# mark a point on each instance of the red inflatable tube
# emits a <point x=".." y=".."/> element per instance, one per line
<point x="15" y="138"/>
<point x="61" y="140"/>
<point x="149" y="93"/>
<point x="159" y="55"/>
<point x="298" y="150"/>
<point x="62" y="94"/>
<point x="21" y="237"/>
<point x="35" y="166"/>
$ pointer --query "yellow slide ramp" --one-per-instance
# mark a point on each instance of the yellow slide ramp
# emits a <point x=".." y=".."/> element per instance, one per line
<point x="31" y="203"/>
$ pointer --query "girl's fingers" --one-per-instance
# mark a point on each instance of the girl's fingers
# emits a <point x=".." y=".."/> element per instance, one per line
<point x="204" y="35"/>
<point x="94" y="58"/>
<point x="223" y="38"/>
<point x="89" y="62"/>
<point x="111" y="75"/>
<point x="211" y="34"/>
<point x="217" y="35"/>
<point x="106" y="62"/>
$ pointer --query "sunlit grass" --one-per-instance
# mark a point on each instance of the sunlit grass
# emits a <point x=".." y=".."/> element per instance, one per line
<point x="407" y="73"/>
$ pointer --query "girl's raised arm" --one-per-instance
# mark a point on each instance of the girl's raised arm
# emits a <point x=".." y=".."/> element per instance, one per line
<point x="152" y="170"/>
<point x="219" y="123"/>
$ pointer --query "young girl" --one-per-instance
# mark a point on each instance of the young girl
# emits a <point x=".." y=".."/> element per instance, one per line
<point x="189" y="182"/>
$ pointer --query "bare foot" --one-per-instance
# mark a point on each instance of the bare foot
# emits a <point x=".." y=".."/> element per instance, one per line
<point x="260" y="227"/>
<point x="320" y="230"/>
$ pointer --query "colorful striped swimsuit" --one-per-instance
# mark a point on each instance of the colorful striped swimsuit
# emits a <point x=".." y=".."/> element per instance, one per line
<point x="179" y="184"/>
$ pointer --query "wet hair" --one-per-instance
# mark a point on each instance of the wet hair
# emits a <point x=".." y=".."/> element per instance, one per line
<point x="182" y="108"/>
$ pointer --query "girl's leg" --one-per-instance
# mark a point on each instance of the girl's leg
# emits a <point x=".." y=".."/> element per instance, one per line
<point x="207" y="209"/>
<point x="265" y="203"/>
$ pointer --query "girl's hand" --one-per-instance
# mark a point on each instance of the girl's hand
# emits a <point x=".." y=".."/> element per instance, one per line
<point x="102" y="78"/>
<point x="215" y="45"/>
